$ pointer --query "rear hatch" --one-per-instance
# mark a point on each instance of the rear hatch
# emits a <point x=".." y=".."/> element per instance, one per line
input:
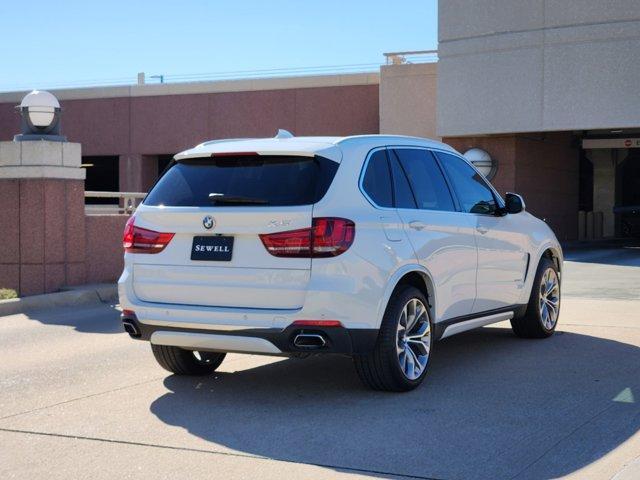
<point x="216" y="208"/>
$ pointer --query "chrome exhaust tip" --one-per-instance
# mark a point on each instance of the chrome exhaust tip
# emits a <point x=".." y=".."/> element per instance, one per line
<point x="309" y="341"/>
<point x="131" y="328"/>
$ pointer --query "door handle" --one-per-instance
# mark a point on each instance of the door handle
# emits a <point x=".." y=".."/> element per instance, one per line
<point x="482" y="230"/>
<point x="417" y="225"/>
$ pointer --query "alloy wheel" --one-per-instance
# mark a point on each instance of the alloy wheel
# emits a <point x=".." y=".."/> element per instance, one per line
<point x="549" y="299"/>
<point x="413" y="339"/>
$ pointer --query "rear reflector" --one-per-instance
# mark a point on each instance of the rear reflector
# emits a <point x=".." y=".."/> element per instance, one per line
<point x="317" y="323"/>
<point x="128" y="313"/>
<point x="327" y="237"/>
<point x="141" y="240"/>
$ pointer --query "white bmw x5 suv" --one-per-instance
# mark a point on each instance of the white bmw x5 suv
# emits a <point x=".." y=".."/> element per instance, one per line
<point x="371" y="246"/>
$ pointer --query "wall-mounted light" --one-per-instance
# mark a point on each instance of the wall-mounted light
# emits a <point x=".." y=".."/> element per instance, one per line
<point x="480" y="159"/>
<point x="40" y="111"/>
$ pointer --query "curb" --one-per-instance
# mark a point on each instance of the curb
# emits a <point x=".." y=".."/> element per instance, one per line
<point x="69" y="297"/>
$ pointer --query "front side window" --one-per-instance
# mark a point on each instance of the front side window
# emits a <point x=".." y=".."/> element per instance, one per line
<point x="377" y="181"/>
<point x="429" y="187"/>
<point x="473" y="193"/>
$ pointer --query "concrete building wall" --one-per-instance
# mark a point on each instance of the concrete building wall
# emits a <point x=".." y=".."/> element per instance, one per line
<point x="408" y="99"/>
<point x="137" y="123"/>
<point x="159" y="119"/>
<point x="547" y="175"/>
<point x="542" y="167"/>
<point x="542" y="65"/>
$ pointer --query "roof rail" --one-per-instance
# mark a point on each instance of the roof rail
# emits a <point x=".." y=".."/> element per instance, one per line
<point x="415" y="56"/>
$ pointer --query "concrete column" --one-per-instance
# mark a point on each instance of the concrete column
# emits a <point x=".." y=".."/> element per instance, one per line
<point x="408" y="99"/>
<point x="42" y="231"/>
<point x="604" y="187"/>
<point x="137" y="172"/>
<point x="149" y="172"/>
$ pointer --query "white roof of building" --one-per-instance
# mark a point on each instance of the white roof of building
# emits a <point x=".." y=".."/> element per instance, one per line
<point x="328" y="147"/>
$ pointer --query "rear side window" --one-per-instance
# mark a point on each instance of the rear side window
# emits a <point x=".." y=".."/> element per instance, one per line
<point x="401" y="189"/>
<point x="255" y="180"/>
<point x="377" y="180"/>
<point x="425" y="177"/>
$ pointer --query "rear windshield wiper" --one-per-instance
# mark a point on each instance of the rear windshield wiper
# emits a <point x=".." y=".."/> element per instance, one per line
<point x="237" y="199"/>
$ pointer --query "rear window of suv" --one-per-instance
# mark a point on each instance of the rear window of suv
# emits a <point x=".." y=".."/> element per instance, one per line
<point x="255" y="180"/>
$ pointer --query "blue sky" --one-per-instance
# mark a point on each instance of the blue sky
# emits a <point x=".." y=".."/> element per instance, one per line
<point x="51" y="43"/>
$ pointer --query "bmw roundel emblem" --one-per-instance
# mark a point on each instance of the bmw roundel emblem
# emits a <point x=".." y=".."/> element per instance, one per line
<point x="208" y="222"/>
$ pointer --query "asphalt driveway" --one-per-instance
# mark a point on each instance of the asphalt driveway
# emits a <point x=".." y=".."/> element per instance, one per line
<point x="78" y="398"/>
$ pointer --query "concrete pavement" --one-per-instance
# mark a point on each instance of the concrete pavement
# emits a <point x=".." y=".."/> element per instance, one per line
<point x="78" y="398"/>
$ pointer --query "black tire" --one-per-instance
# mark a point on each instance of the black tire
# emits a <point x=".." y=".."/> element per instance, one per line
<point x="531" y="324"/>
<point x="381" y="368"/>
<point x="185" y="362"/>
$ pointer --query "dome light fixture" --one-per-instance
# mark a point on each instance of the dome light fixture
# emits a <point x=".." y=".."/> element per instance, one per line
<point x="480" y="159"/>
<point x="40" y="111"/>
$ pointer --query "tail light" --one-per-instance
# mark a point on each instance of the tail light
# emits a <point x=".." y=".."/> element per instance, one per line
<point x="141" y="240"/>
<point x="327" y="237"/>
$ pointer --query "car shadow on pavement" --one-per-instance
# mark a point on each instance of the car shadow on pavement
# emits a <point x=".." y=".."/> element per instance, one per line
<point x="101" y="318"/>
<point x="493" y="406"/>
<point x="622" y="255"/>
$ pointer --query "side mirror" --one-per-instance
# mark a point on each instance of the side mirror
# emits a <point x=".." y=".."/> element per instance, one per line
<point x="514" y="203"/>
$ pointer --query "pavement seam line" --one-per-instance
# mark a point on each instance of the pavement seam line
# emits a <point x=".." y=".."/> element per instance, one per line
<point x="600" y="326"/>
<point x="624" y="467"/>
<point x="564" y="437"/>
<point x="211" y="452"/>
<point x="71" y="400"/>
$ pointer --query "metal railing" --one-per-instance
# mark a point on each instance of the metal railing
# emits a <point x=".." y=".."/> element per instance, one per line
<point x="392" y="58"/>
<point x="415" y="56"/>
<point x="127" y="203"/>
<point x="208" y="76"/>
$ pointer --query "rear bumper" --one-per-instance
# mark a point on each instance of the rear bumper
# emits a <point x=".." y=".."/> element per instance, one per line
<point x="270" y="341"/>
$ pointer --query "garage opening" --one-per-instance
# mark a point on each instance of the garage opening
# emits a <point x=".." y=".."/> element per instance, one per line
<point x="102" y="176"/>
<point x="628" y="195"/>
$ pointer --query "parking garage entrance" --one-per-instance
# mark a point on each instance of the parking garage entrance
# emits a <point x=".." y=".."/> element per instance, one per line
<point x="627" y="209"/>
<point x="615" y="180"/>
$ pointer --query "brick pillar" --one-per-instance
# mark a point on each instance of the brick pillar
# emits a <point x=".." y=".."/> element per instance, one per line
<point x="604" y="187"/>
<point x="42" y="233"/>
